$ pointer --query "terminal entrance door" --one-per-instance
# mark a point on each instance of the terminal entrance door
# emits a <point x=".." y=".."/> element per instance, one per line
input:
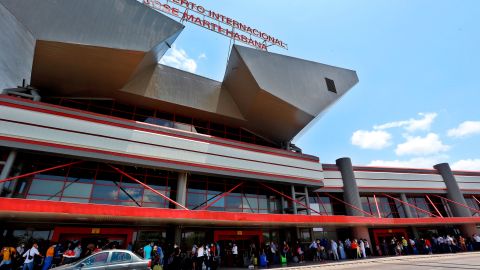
<point x="103" y="237"/>
<point x="388" y="234"/>
<point x="243" y="239"/>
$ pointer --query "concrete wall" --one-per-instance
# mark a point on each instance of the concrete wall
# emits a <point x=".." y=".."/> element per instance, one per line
<point x="469" y="184"/>
<point x="394" y="181"/>
<point x="172" y="151"/>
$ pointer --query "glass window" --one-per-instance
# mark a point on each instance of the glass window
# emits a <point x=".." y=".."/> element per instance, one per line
<point x="220" y="203"/>
<point x="45" y="187"/>
<point x="105" y="192"/>
<point x="135" y="193"/>
<point x="262" y="202"/>
<point x="77" y="190"/>
<point x="150" y="196"/>
<point x="120" y="257"/>
<point x="234" y="203"/>
<point x="99" y="258"/>
<point x="250" y="204"/>
<point x="195" y="199"/>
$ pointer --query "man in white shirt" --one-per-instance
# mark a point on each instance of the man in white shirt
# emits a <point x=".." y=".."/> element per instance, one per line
<point x="30" y="256"/>
<point x="476" y="237"/>
<point x="235" y="253"/>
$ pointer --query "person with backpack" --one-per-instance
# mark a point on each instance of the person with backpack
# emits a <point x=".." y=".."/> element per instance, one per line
<point x="30" y="256"/>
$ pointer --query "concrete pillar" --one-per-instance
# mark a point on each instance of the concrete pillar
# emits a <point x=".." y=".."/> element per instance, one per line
<point x="453" y="191"/>
<point x="468" y="230"/>
<point x="406" y="208"/>
<point x="178" y="235"/>
<point x="294" y="204"/>
<point x="350" y="188"/>
<point x="361" y="232"/>
<point x="7" y="168"/>
<point x="282" y="202"/>
<point x="307" y="201"/>
<point x="182" y="189"/>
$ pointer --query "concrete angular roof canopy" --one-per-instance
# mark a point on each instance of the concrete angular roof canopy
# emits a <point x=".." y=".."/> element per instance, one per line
<point x="111" y="48"/>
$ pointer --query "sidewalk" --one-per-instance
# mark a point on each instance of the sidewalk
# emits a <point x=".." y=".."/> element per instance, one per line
<point x="332" y="264"/>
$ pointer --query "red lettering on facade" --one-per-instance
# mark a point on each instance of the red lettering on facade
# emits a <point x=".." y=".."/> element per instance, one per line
<point x="166" y="8"/>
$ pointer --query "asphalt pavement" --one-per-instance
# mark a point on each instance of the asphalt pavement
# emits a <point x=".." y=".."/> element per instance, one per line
<point x="469" y="260"/>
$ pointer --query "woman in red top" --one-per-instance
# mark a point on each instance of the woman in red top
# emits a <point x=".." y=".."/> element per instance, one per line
<point x="355" y="250"/>
<point x="428" y="246"/>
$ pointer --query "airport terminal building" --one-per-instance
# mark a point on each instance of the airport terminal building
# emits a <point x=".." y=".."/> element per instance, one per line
<point x="99" y="141"/>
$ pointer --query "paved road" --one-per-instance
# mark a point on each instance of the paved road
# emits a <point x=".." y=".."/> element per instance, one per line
<point x="434" y="262"/>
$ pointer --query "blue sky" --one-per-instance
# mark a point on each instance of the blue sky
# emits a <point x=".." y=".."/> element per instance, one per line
<point x="417" y="102"/>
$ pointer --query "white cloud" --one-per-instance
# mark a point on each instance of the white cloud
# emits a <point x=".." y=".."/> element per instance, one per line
<point x="467" y="165"/>
<point x="178" y="58"/>
<point x="419" y="146"/>
<point x="465" y="129"/>
<point x="375" y="139"/>
<point x="411" y="124"/>
<point x="202" y="56"/>
<point x="418" y="162"/>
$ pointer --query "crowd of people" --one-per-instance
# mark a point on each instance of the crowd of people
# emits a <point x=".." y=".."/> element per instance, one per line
<point x="47" y="256"/>
<point x="212" y="255"/>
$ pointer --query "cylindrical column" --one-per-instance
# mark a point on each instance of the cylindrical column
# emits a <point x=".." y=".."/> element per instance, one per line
<point x="453" y="191"/>
<point x="181" y="189"/>
<point x="178" y="235"/>
<point x="406" y="208"/>
<point x="294" y="204"/>
<point x="350" y="188"/>
<point x="7" y="168"/>
<point x="361" y="232"/>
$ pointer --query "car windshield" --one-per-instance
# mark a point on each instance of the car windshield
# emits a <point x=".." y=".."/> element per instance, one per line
<point x="98" y="258"/>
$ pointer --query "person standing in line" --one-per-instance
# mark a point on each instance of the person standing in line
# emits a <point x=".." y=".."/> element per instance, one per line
<point x="361" y="245"/>
<point x="147" y="251"/>
<point x="235" y="254"/>
<point x="78" y="251"/>
<point x="334" y="247"/>
<point x="200" y="257"/>
<point x="21" y="249"/>
<point x="313" y="250"/>
<point x="355" y="249"/>
<point x="368" y="251"/>
<point x="17" y="259"/>
<point x="160" y="253"/>
<point x="405" y="246"/>
<point x="285" y="250"/>
<point x="301" y="253"/>
<point x="30" y="256"/>
<point x="154" y="257"/>
<point x="49" y="257"/>
<point x="348" y="248"/>
<point x="341" y="249"/>
<point x="7" y="255"/>
<point x="461" y="243"/>
<point x="428" y="247"/>
<point x="194" y="256"/>
<point x="476" y="241"/>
